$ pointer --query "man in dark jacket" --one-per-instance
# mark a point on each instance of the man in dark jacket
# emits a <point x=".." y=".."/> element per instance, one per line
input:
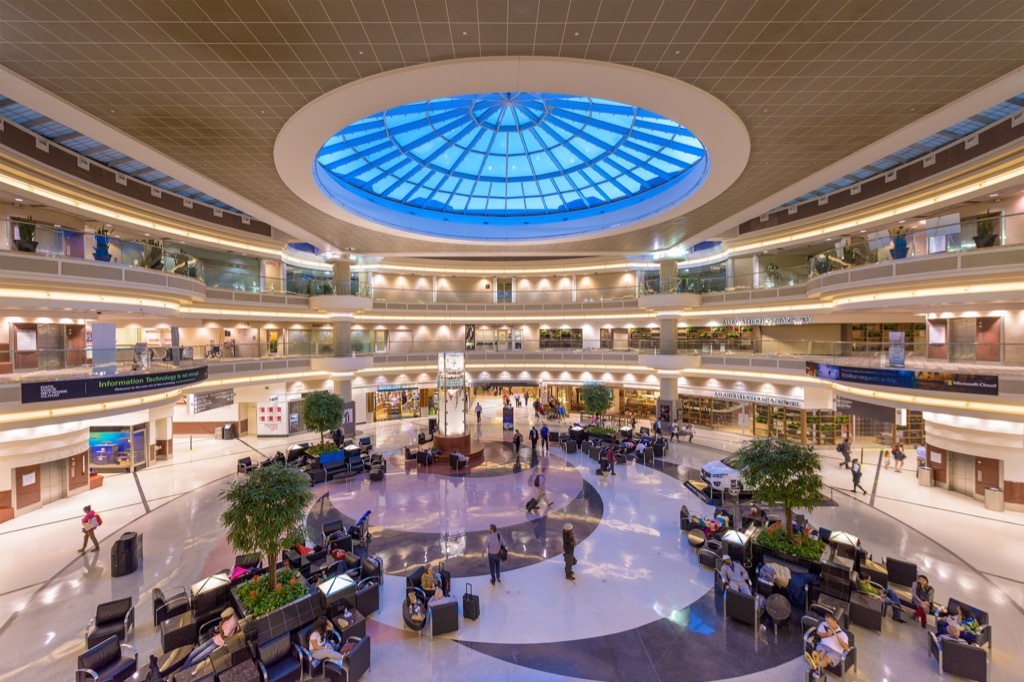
<point x="569" y="551"/>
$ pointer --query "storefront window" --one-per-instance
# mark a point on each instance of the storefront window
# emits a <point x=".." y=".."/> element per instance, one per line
<point x="395" y="402"/>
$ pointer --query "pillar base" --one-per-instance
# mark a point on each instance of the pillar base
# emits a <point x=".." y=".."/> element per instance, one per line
<point x="449" y="444"/>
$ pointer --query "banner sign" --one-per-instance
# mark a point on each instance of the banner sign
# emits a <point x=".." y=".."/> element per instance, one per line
<point x="897" y="349"/>
<point x="507" y="419"/>
<point x="470" y="337"/>
<point x="765" y="321"/>
<point x="760" y="398"/>
<point x="904" y="378"/>
<point x="94" y="387"/>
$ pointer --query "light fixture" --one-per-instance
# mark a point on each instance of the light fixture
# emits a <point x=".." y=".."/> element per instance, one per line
<point x="18" y="199"/>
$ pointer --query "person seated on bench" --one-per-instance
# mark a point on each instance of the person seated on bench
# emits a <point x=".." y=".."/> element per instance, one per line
<point x="228" y="626"/>
<point x="923" y="596"/>
<point x="429" y="580"/>
<point x="832" y="648"/>
<point x="463" y="460"/>
<point x="962" y="625"/>
<point x="888" y="596"/>
<point x="735" y="577"/>
<point x="323" y="641"/>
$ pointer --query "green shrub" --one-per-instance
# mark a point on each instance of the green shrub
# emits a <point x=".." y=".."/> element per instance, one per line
<point x="260" y="595"/>
<point x="802" y="544"/>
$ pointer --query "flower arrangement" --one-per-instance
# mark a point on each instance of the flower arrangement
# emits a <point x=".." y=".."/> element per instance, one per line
<point x="260" y="596"/>
<point x="802" y="545"/>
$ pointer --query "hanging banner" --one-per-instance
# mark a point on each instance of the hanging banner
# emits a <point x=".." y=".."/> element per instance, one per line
<point x="46" y="391"/>
<point x="946" y="382"/>
<point x="897" y="349"/>
<point x="507" y="418"/>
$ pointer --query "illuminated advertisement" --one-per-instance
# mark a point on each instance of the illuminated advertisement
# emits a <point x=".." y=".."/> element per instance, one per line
<point x="946" y="382"/>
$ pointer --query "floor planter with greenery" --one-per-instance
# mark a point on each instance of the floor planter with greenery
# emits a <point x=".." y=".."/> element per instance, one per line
<point x="802" y="549"/>
<point x="985" y="235"/>
<point x="274" y="607"/>
<point x="26" y="241"/>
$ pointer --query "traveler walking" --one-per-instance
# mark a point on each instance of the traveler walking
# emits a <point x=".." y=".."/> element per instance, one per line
<point x="479" y="411"/>
<point x="90" y="522"/>
<point x="534" y="437"/>
<point x="517" y="442"/>
<point x="689" y="432"/>
<point x="540" y="482"/>
<point x="492" y="549"/>
<point x="844" y="450"/>
<point x="855" y="470"/>
<point x="674" y="431"/>
<point x="899" y="455"/>
<point x="545" y="435"/>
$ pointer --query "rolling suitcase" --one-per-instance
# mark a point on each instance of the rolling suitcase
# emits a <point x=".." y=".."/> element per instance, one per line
<point x="470" y="604"/>
<point x="532" y="504"/>
<point x="446" y="579"/>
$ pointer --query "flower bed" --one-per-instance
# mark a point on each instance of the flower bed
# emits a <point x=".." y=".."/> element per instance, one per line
<point x="260" y="597"/>
<point x="802" y="545"/>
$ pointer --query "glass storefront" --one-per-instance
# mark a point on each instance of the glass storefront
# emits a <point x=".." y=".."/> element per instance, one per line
<point x="116" y="448"/>
<point x="394" y="402"/>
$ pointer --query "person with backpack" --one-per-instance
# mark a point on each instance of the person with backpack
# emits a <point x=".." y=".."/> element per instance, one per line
<point x="855" y="470"/>
<point x="539" y="483"/>
<point x="545" y="435"/>
<point x="90" y="522"/>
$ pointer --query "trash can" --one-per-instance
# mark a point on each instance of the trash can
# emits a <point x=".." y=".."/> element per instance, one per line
<point x="432" y="425"/>
<point x="925" y="477"/>
<point x="994" y="499"/>
<point x="228" y="432"/>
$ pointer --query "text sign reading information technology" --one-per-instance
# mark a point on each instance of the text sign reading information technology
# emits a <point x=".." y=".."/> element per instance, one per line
<point x="94" y="387"/>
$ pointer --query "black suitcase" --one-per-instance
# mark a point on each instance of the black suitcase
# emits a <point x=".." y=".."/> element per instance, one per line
<point x="446" y="579"/>
<point x="531" y="504"/>
<point x="470" y="604"/>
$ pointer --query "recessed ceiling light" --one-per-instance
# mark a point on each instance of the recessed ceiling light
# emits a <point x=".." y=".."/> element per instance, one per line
<point x="360" y="51"/>
<point x="677" y="51"/>
<point x="576" y="33"/>
<point x="994" y="194"/>
<point x="18" y="199"/>
<point x="106" y="225"/>
<point x="902" y="221"/>
<point x="465" y="33"/>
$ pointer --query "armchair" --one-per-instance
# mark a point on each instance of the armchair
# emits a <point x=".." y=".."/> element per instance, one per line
<point x="245" y="465"/>
<point x="113" y="619"/>
<point x="457" y="461"/>
<point x="279" y="660"/>
<point x="354" y="665"/>
<point x="867" y="610"/>
<point x="367" y="599"/>
<point x="413" y="580"/>
<point x="105" y="662"/>
<point x="839" y="669"/>
<point x="743" y="607"/>
<point x="984" y="629"/>
<point x="901" y="578"/>
<point x="365" y="444"/>
<point x="167" y="606"/>
<point x="957" y="657"/>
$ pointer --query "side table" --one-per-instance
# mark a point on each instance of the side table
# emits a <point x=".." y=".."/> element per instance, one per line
<point x="178" y="631"/>
<point x="779" y="610"/>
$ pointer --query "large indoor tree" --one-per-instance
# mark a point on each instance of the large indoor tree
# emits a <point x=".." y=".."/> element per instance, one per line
<point x="322" y="411"/>
<point x="266" y="511"/>
<point x="596" y="397"/>
<point x="783" y="473"/>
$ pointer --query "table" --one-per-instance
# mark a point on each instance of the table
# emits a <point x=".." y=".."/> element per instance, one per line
<point x="178" y="631"/>
<point x="779" y="610"/>
<point x="696" y="538"/>
<point x="356" y="626"/>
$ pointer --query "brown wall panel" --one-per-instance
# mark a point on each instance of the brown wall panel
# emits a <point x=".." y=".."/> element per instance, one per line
<point x="27" y="494"/>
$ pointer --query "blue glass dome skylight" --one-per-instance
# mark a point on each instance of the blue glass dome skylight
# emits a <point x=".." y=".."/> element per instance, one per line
<point x="548" y="164"/>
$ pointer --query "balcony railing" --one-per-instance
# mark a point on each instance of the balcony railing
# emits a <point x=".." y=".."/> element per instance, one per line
<point x="56" y="363"/>
<point x="556" y="296"/>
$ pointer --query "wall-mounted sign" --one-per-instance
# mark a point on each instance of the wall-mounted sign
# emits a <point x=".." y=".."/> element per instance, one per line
<point x="858" y="408"/>
<point x="470" y="337"/>
<point x="765" y="321"/>
<point x="201" y="402"/>
<point x="396" y="387"/>
<point x="760" y="398"/>
<point x="905" y="378"/>
<point x="92" y="387"/>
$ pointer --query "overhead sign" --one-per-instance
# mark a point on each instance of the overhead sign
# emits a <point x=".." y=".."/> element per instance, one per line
<point x="93" y="387"/>
<point x="202" y="402"/>
<point x="904" y="378"/>
<point x="764" y="321"/>
<point x="760" y="398"/>
<point x="897" y="349"/>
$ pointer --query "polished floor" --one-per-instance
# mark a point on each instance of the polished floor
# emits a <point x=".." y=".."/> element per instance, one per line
<point x="640" y="609"/>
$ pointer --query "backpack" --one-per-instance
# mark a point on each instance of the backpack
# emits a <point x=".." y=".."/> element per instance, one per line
<point x="536" y="481"/>
<point x="99" y="521"/>
<point x="839" y="448"/>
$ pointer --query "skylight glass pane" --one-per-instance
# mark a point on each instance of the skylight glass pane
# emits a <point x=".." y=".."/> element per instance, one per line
<point x="512" y="152"/>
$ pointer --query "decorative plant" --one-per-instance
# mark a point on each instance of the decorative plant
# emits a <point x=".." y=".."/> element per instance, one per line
<point x="596" y="397"/>
<point x="322" y="411"/>
<point x="26" y="229"/>
<point x="772" y="274"/>
<point x="320" y="448"/>
<point x="264" y="594"/>
<point x="798" y="544"/>
<point x="899" y="235"/>
<point x="984" y="226"/>
<point x="783" y="473"/>
<point x="266" y="512"/>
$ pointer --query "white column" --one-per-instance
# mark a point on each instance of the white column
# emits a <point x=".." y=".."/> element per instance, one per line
<point x="668" y="343"/>
<point x="574" y="288"/>
<point x="669" y="276"/>
<point x="433" y="289"/>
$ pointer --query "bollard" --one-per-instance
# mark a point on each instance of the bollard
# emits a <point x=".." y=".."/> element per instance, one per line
<point x="190" y="443"/>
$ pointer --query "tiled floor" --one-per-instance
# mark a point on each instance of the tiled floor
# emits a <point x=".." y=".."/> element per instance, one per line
<point x="641" y="608"/>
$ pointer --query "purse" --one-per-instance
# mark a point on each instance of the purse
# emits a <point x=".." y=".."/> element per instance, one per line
<point x="503" y="550"/>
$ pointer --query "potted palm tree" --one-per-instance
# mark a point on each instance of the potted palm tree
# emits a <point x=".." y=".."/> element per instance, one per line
<point x="26" y="240"/>
<point x="985" y="235"/>
<point x="101" y="247"/>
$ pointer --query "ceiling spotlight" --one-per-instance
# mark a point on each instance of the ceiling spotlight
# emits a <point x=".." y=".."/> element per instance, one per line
<point x="576" y="33"/>
<point x="902" y="221"/>
<point x="465" y="33"/>
<point x="994" y="194"/>
<point x="18" y="199"/>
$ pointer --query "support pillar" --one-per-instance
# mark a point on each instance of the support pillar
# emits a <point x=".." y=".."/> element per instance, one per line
<point x="669" y="341"/>
<point x="342" y="338"/>
<point x="342" y="275"/>
<point x="668" y="401"/>
<point x="342" y="387"/>
<point x="669" y="276"/>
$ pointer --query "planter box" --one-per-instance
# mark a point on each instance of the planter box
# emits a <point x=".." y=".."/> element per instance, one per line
<point x="762" y="553"/>
<point x="606" y="437"/>
<point x="292" y="616"/>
